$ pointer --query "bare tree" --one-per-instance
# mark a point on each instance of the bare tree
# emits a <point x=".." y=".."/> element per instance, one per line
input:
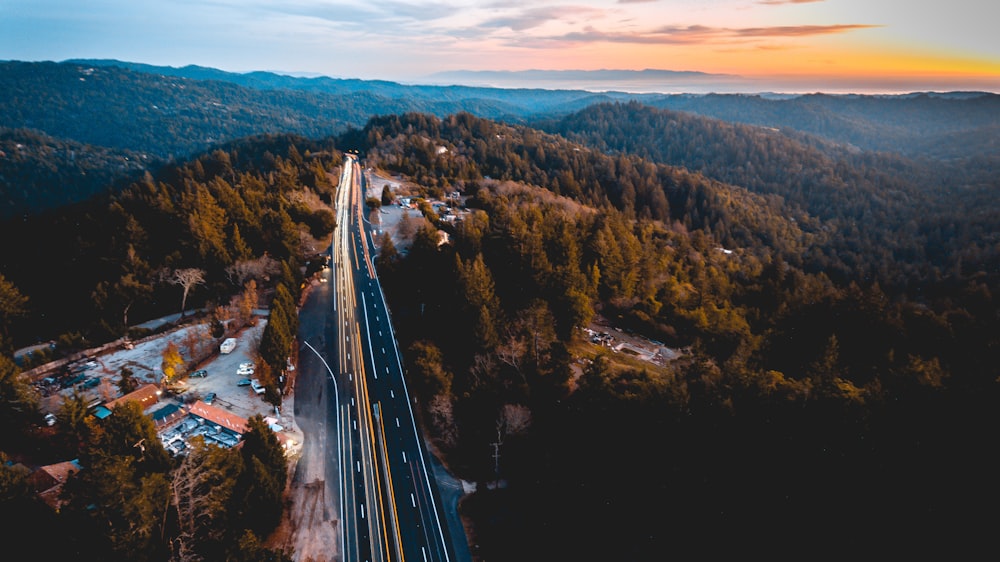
<point x="513" y="419"/>
<point x="512" y="349"/>
<point x="198" y="341"/>
<point x="187" y="278"/>
<point x="406" y="227"/>
<point x="201" y="487"/>
<point x="443" y="419"/>
<point x="259" y="269"/>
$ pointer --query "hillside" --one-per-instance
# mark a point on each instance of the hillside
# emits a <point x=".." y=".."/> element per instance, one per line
<point x="807" y="399"/>
<point x="162" y="113"/>
<point x="826" y="284"/>
<point x="38" y="172"/>
<point x="883" y="209"/>
<point x="945" y="126"/>
<point x="810" y="415"/>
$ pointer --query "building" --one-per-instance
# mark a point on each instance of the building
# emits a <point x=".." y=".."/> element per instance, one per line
<point x="147" y="396"/>
<point x="48" y="480"/>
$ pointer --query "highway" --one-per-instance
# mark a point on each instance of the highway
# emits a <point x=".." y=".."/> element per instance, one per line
<point x="389" y="501"/>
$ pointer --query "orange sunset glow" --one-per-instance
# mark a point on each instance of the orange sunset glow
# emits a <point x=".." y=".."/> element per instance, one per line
<point x="784" y="44"/>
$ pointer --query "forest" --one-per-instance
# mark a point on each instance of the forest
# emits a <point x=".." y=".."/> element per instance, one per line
<point x="236" y="222"/>
<point x="838" y="384"/>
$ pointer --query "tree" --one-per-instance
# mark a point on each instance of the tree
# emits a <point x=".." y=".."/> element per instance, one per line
<point x="244" y="304"/>
<point x="124" y="488"/>
<point x="173" y="363"/>
<point x="72" y="417"/>
<point x="187" y="278"/>
<point x="250" y="549"/>
<point x="207" y="222"/>
<point x="431" y="377"/>
<point x="201" y="491"/>
<point x="18" y="398"/>
<point x="386" y="195"/>
<point x="388" y="257"/>
<point x="479" y="297"/>
<point x="257" y="499"/>
<point x="12" y="305"/>
<point x="407" y="226"/>
<point x="259" y="269"/>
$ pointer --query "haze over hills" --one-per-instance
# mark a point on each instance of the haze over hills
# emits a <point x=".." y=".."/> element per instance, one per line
<point x="648" y="81"/>
<point x="159" y="113"/>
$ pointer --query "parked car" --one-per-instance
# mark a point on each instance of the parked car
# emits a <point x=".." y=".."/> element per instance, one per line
<point x="256" y="386"/>
<point x="243" y="371"/>
<point x="246" y="365"/>
<point x="209" y="398"/>
<point x="200" y="373"/>
<point x="243" y="382"/>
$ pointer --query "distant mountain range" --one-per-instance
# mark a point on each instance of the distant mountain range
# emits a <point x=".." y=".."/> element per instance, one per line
<point x="635" y="81"/>
<point x="143" y="115"/>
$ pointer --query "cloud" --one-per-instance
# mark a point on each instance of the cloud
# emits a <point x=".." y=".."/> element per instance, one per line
<point x="358" y="13"/>
<point x="700" y="34"/>
<point x="780" y="2"/>
<point x="538" y="16"/>
<point x="636" y="1"/>
<point x="798" y="30"/>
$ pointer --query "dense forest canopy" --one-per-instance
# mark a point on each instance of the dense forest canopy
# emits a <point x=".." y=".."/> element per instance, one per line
<point x="834" y="313"/>
<point x="38" y="172"/>
<point x="818" y="404"/>
<point x="86" y="267"/>
<point x="159" y="113"/>
<point x="905" y="223"/>
<point x="941" y="125"/>
<point x="240" y="223"/>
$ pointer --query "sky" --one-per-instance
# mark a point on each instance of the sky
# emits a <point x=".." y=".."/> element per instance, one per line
<point x="862" y="46"/>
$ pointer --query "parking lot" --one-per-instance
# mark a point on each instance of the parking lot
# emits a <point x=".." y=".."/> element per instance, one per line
<point x="218" y="379"/>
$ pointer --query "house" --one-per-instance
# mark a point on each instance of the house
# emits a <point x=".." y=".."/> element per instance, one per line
<point x="147" y="396"/>
<point x="48" y="480"/>
<point x="167" y="415"/>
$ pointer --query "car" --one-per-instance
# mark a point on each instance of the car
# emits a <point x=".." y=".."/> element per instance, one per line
<point x="246" y="365"/>
<point x="209" y="398"/>
<point x="200" y="373"/>
<point x="242" y="371"/>
<point x="256" y="386"/>
<point x="243" y="382"/>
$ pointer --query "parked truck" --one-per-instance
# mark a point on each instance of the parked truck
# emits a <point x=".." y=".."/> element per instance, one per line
<point x="228" y="345"/>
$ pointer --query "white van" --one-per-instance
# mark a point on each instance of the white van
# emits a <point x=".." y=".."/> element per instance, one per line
<point x="228" y="345"/>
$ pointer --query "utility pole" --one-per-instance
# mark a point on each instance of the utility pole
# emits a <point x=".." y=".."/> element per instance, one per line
<point x="496" y="458"/>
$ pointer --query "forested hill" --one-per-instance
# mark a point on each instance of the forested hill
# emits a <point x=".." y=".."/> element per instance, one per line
<point x="38" y="172"/>
<point x="160" y="116"/>
<point x="951" y="125"/>
<point x="165" y="113"/>
<point x="890" y="218"/>
<point x="491" y="102"/>
<point x="810" y="416"/>
<point x="161" y="113"/>
<point x="466" y="148"/>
